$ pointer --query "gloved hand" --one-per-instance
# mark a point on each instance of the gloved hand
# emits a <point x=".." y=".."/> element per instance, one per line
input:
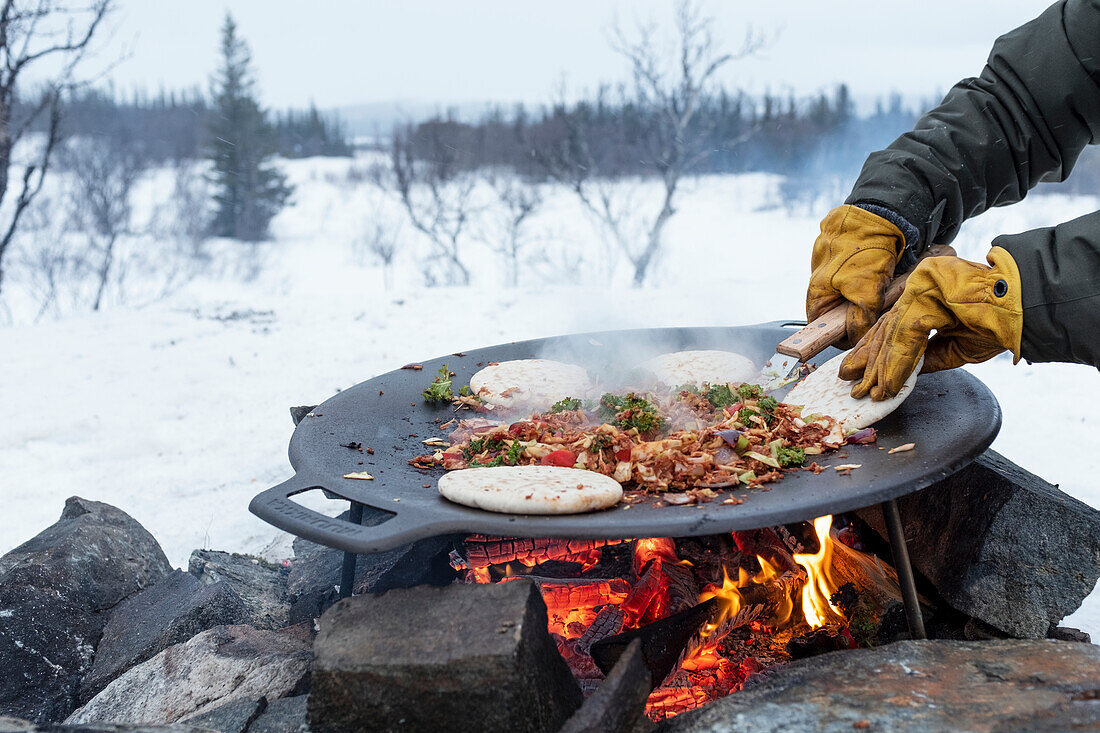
<point x="976" y="310"/>
<point x="853" y="261"/>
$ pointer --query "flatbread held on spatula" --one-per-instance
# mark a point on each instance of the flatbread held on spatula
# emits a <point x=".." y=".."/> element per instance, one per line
<point x="532" y="383"/>
<point x="702" y="367"/>
<point x="823" y="392"/>
<point x="531" y="489"/>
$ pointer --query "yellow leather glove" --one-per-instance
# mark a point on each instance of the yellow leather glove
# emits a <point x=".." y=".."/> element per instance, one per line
<point x="976" y="311"/>
<point x="853" y="261"/>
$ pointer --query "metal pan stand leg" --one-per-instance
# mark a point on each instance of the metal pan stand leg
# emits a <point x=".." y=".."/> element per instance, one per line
<point x="905" y="570"/>
<point x="347" y="572"/>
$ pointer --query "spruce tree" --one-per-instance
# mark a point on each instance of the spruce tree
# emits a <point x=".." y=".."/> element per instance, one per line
<point x="249" y="190"/>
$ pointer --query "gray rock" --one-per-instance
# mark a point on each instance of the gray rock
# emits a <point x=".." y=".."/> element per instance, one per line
<point x="618" y="704"/>
<point x="460" y="658"/>
<point x="285" y="715"/>
<point x="299" y="412"/>
<point x="54" y="591"/>
<point x="46" y="646"/>
<point x="1068" y="633"/>
<point x="232" y="717"/>
<point x="916" y="686"/>
<point x="1002" y="545"/>
<point x="259" y="583"/>
<point x="125" y="728"/>
<point x="16" y="725"/>
<point x="94" y="556"/>
<point x="218" y="666"/>
<point x="170" y="612"/>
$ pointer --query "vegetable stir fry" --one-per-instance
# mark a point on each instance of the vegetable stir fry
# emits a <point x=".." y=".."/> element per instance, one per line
<point x="692" y="442"/>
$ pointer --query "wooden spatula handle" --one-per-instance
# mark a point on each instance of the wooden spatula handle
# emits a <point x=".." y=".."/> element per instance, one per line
<point x="827" y="329"/>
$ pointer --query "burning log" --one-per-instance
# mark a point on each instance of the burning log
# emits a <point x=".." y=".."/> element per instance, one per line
<point x="820" y="641"/>
<point x="483" y="551"/>
<point x="572" y="604"/>
<point x="609" y="621"/>
<point x="767" y="544"/>
<point x="683" y="592"/>
<point x="572" y="593"/>
<point x="652" y="584"/>
<point x="663" y="641"/>
<point x="872" y="578"/>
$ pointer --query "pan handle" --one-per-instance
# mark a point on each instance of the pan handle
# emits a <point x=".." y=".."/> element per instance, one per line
<point x="828" y="328"/>
<point x="275" y="507"/>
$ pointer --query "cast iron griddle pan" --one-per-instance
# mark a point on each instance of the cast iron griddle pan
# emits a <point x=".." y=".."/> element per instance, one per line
<point x="951" y="416"/>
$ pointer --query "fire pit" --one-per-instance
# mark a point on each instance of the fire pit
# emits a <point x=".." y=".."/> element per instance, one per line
<point x="598" y="578"/>
<point x="767" y="596"/>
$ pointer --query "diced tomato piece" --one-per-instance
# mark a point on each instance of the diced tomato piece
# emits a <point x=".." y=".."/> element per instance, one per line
<point x="623" y="455"/>
<point x="563" y="458"/>
<point x="516" y="429"/>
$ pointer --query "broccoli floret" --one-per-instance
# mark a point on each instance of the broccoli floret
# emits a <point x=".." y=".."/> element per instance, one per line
<point x="749" y="391"/>
<point x="720" y="395"/>
<point x="568" y="404"/>
<point x="440" y="388"/>
<point x="790" y="456"/>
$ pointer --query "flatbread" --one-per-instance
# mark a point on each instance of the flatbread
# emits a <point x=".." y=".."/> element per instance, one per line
<point x="531" y="489"/>
<point x="823" y="392"/>
<point x="534" y="383"/>
<point x="702" y="367"/>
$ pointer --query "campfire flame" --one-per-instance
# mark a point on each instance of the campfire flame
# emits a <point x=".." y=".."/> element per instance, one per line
<point x="816" y="606"/>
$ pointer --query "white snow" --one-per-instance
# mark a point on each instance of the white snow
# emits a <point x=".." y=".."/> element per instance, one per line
<point x="176" y="411"/>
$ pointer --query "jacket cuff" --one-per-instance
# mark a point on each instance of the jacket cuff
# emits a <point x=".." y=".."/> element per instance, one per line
<point x="908" y="255"/>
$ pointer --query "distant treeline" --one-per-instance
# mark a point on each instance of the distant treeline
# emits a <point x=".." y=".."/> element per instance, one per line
<point x="176" y="125"/>
<point x="730" y="132"/>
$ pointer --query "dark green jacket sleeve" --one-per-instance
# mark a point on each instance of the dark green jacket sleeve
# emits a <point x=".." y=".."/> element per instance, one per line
<point x="1060" y="276"/>
<point x="1025" y="119"/>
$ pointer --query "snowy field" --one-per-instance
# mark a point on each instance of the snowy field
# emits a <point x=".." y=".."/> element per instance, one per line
<point x="175" y="410"/>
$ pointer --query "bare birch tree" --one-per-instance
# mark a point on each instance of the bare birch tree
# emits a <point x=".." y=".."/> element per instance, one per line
<point x="380" y="243"/>
<point x="667" y="89"/>
<point x="103" y="178"/>
<point x="53" y="34"/>
<point x="438" y="196"/>
<point x="517" y="202"/>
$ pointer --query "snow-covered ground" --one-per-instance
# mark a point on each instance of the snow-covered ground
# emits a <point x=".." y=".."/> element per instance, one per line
<point x="176" y="411"/>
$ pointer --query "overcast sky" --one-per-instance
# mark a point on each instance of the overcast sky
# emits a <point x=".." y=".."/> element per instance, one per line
<point x="342" y="52"/>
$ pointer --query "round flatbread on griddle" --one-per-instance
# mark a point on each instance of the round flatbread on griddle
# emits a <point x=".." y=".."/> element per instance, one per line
<point x="531" y="489"/>
<point x="823" y="392"/>
<point x="702" y="367"/>
<point x="532" y="383"/>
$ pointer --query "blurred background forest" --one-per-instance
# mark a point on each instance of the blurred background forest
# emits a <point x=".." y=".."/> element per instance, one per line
<point x="128" y="195"/>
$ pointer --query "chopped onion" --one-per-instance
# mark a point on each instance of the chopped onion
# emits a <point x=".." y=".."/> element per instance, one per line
<point x="730" y="436"/>
<point x="867" y="435"/>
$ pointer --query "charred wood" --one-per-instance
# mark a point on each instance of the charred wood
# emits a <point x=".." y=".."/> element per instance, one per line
<point x="662" y="641"/>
